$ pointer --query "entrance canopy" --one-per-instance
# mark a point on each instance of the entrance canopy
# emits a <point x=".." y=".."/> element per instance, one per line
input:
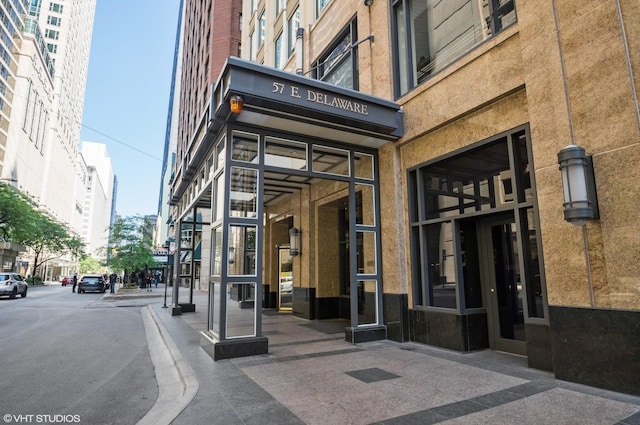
<point x="278" y="100"/>
<point x="273" y="98"/>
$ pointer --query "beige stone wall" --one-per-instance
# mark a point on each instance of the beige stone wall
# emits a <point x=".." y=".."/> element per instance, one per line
<point x="596" y="111"/>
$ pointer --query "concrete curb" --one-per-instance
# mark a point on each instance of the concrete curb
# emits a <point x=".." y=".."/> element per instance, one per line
<point x="177" y="384"/>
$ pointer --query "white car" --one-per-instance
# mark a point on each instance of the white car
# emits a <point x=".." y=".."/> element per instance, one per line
<point x="12" y="284"/>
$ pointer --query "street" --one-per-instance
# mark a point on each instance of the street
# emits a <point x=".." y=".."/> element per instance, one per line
<point x="73" y="355"/>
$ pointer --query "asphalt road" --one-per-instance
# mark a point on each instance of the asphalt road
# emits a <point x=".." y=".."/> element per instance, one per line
<point x="72" y="358"/>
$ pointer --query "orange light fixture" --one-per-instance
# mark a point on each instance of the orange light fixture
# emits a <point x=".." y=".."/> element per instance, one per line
<point x="237" y="104"/>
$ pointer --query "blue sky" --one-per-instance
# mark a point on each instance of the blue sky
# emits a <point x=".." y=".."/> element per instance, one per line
<point x="127" y="94"/>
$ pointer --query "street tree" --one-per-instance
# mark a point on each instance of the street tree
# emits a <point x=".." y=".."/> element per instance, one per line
<point x="131" y="245"/>
<point x="89" y="264"/>
<point x="16" y="211"/>
<point x="48" y="240"/>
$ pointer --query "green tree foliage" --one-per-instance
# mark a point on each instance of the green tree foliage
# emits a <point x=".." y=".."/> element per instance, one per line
<point x="16" y="211"/>
<point x="48" y="240"/>
<point x="131" y="244"/>
<point x="89" y="265"/>
<point x="22" y="223"/>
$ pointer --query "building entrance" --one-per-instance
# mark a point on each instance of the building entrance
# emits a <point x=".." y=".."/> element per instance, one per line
<point x="500" y="271"/>
<point x="285" y="279"/>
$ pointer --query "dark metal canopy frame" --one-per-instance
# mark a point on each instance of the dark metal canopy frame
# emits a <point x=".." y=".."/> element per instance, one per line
<point x="305" y="121"/>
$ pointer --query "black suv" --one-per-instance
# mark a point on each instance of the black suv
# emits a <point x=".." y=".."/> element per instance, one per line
<point x="92" y="282"/>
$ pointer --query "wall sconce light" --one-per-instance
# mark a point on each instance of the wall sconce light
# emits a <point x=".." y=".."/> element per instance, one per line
<point x="294" y="242"/>
<point x="368" y="2"/>
<point x="578" y="184"/>
<point x="232" y="255"/>
<point x="237" y="104"/>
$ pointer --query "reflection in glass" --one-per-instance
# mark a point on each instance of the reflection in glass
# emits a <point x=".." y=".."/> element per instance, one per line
<point x="285" y="153"/>
<point x="531" y="263"/>
<point x="241" y="310"/>
<point x="217" y="198"/>
<point x="214" y="315"/>
<point x="242" y="243"/>
<point x="509" y="288"/>
<point x="367" y="302"/>
<point x="330" y="160"/>
<point x="220" y="152"/>
<point x="216" y="248"/>
<point x="366" y="255"/>
<point x="470" y="262"/>
<point x="363" y="165"/>
<point x="245" y="147"/>
<point x="244" y="191"/>
<point x="285" y="278"/>
<point x="476" y="181"/>
<point x="365" y="205"/>
<point x="441" y="265"/>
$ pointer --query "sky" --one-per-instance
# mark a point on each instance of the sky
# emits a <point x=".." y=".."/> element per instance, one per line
<point x="127" y="94"/>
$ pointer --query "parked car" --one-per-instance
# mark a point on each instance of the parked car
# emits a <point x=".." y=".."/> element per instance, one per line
<point x="12" y="284"/>
<point x="66" y="280"/>
<point x="92" y="282"/>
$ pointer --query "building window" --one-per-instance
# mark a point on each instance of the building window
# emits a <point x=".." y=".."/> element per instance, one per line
<point x="55" y="7"/>
<point x="292" y="28"/>
<point x="320" y="5"/>
<point x="54" y="20"/>
<point x="280" y="5"/>
<point x="53" y="34"/>
<point x="430" y="35"/>
<point x="464" y="206"/>
<point x="252" y="46"/>
<point x="337" y="64"/>
<point x="278" y="52"/>
<point x="53" y="48"/>
<point x="261" y="32"/>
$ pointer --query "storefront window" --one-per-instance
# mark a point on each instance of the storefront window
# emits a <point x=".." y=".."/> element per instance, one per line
<point x="330" y="160"/>
<point x="365" y="205"/>
<point x="363" y="166"/>
<point x="285" y="153"/>
<point x="241" y="310"/>
<point x="245" y="147"/>
<point x="366" y="254"/>
<point x="242" y="251"/>
<point x="244" y="192"/>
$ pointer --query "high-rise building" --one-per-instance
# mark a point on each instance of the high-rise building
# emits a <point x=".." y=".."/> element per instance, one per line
<point x="408" y="167"/>
<point x="45" y="76"/>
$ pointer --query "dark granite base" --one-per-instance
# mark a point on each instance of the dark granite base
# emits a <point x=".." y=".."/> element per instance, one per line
<point x="596" y="347"/>
<point x="396" y="316"/>
<point x="368" y="334"/>
<point x="447" y="330"/>
<point x="538" y="347"/>
<point x="176" y="310"/>
<point x="304" y="302"/>
<point x="229" y="349"/>
<point x="187" y="307"/>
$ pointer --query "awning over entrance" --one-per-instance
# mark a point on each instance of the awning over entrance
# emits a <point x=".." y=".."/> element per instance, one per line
<point x="281" y="100"/>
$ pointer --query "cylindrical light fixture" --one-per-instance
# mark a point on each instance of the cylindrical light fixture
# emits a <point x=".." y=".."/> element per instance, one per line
<point x="578" y="185"/>
<point x="294" y="241"/>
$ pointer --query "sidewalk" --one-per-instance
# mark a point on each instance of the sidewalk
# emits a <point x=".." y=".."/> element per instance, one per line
<point x="312" y="376"/>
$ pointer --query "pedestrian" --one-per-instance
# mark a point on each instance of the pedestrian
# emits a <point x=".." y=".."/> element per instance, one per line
<point x="75" y="282"/>
<point x="148" y="282"/>
<point x="113" y="277"/>
<point x="155" y="278"/>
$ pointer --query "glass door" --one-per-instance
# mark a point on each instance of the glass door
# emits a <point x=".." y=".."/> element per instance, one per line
<point x="506" y="295"/>
<point x="285" y="279"/>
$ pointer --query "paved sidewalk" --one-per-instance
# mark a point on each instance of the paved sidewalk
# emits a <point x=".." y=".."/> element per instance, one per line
<point x="312" y="376"/>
